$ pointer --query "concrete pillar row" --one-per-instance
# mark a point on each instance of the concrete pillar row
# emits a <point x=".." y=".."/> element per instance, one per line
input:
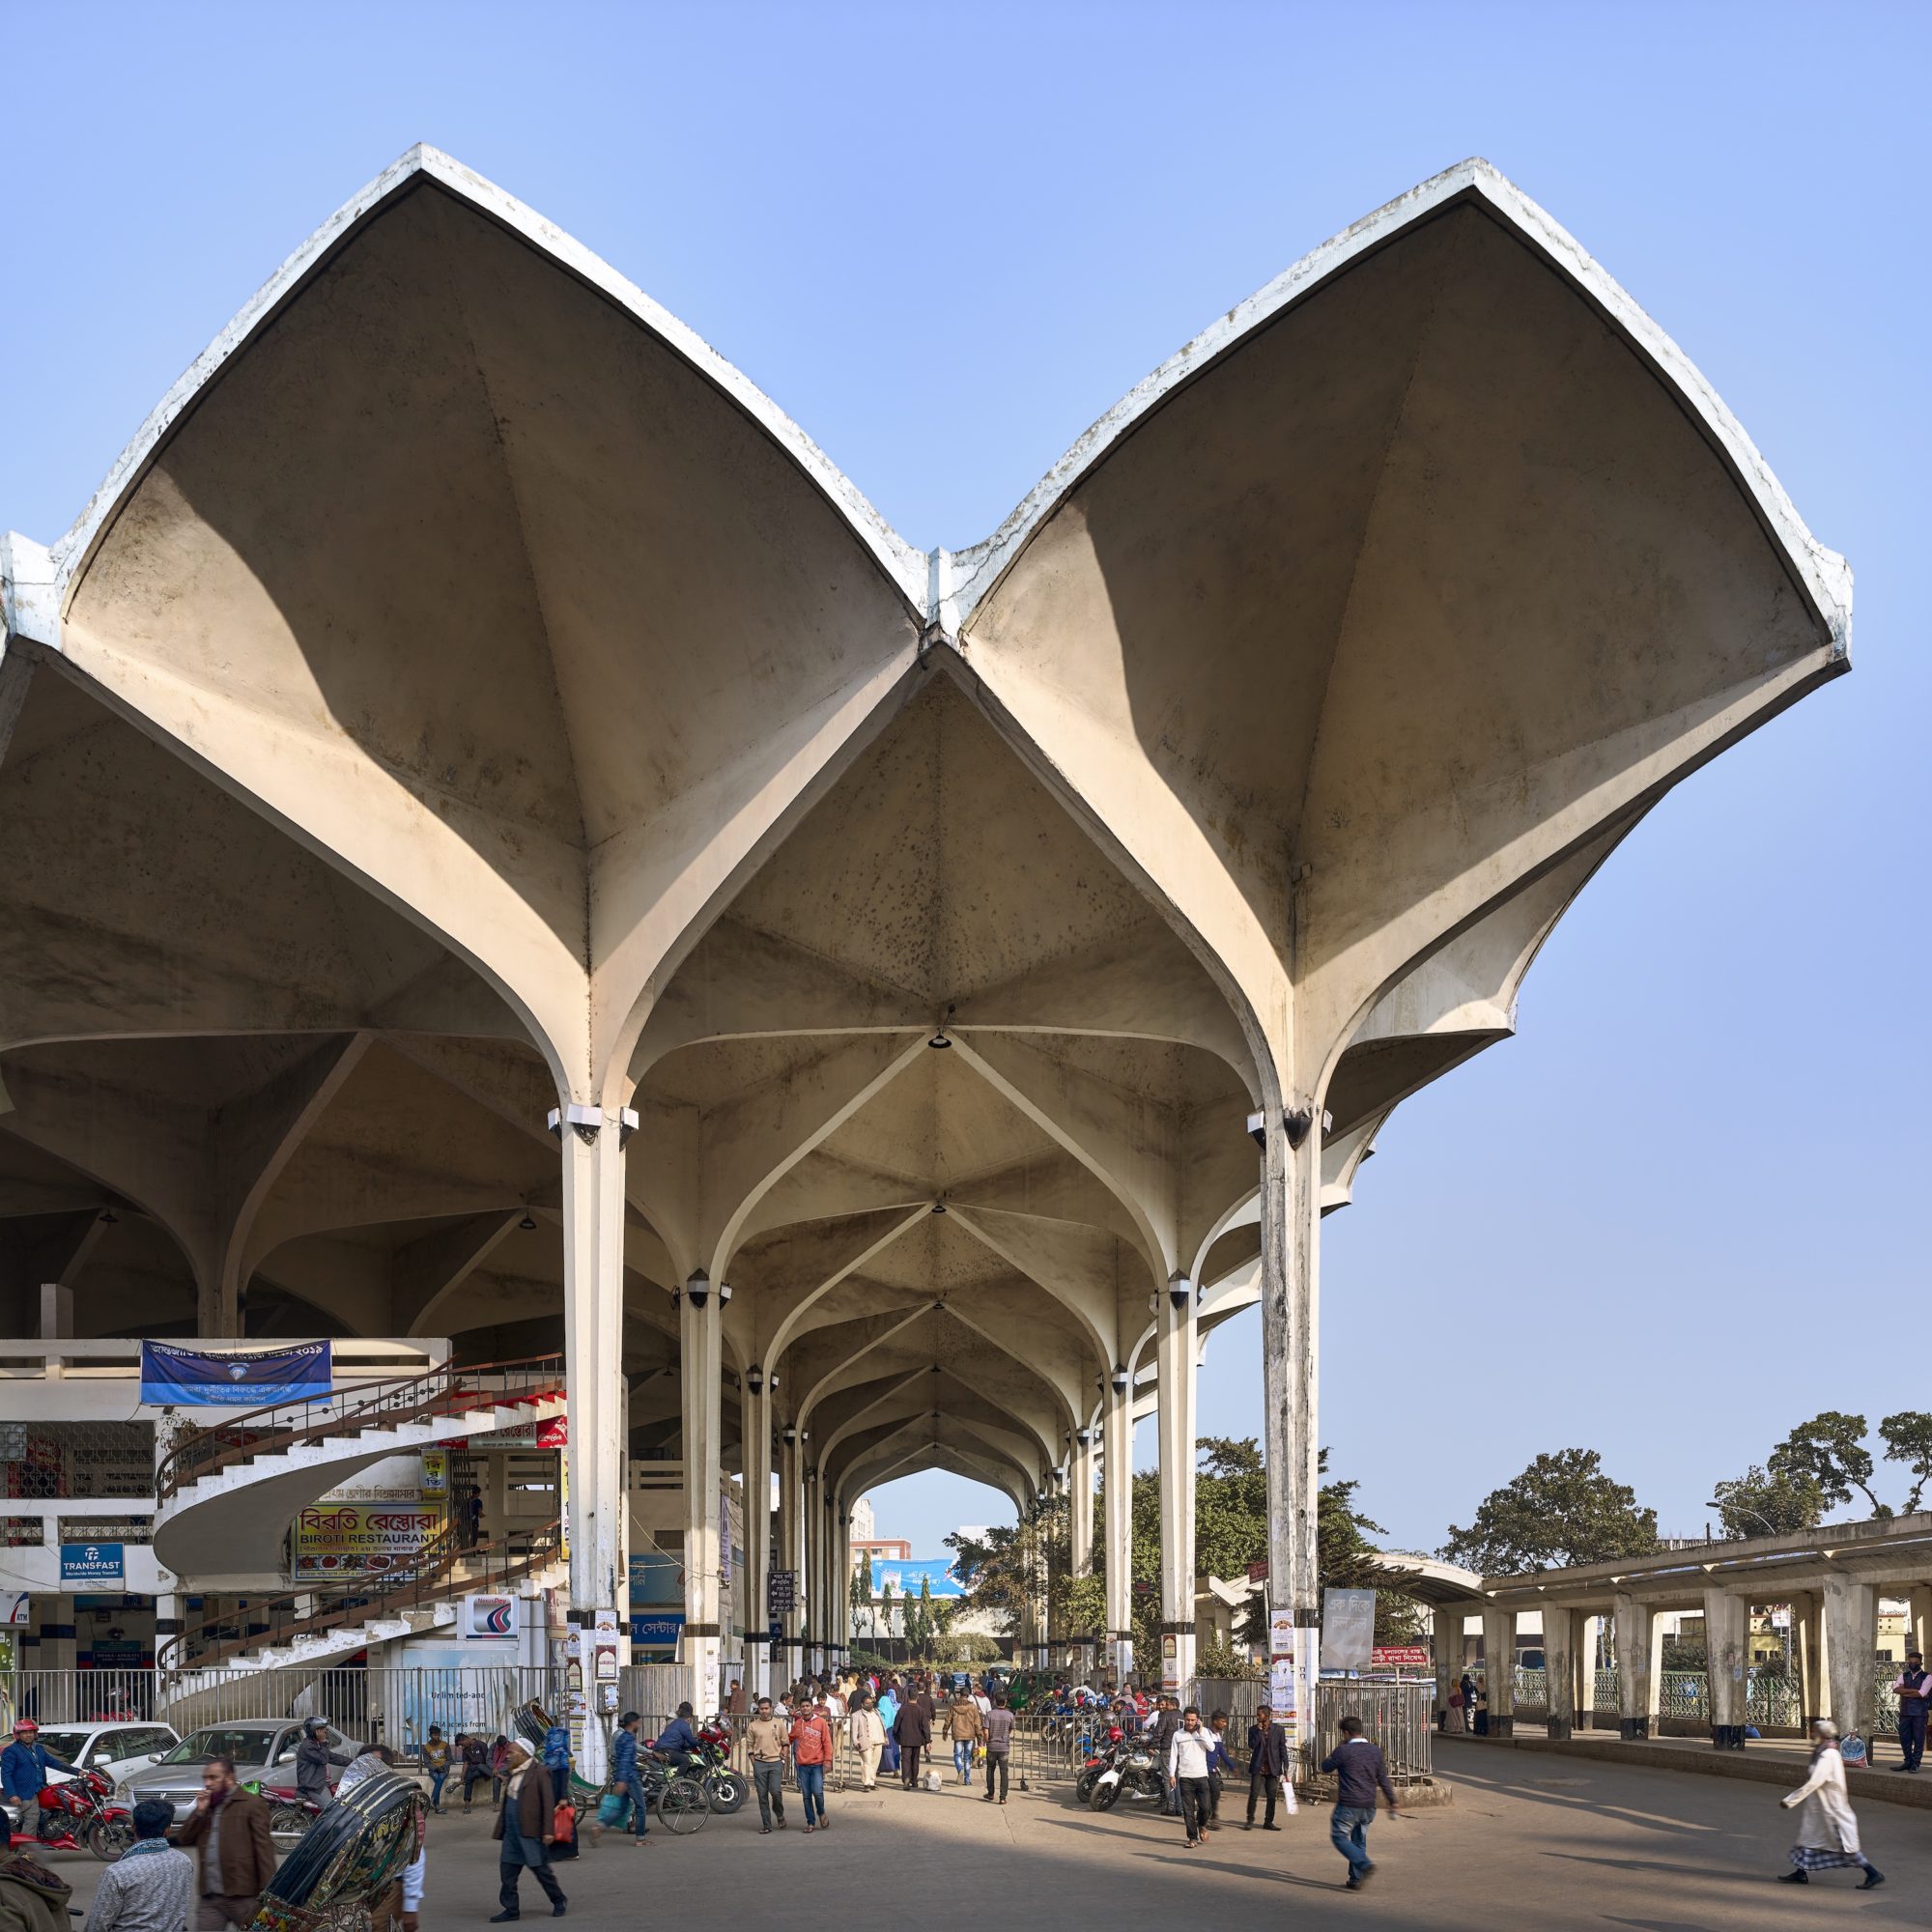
<point x="1917" y="1618"/>
<point x="757" y="1457"/>
<point x="1559" y="1661"/>
<point x="1639" y="1666"/>
<point x="1499" y="1669"/>
<point x="1727" y="1666"/>
<point x="1177" y="1348"/>
<point x="700" y="1392"/>
<point x="1851" y="1642"/>
<point x="1080" y="1500"/>
<point x="1118" y="1436"/>
<point x="791" y="1554"/>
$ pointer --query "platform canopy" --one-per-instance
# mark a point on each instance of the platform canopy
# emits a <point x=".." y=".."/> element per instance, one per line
<point x="468" y="697"/>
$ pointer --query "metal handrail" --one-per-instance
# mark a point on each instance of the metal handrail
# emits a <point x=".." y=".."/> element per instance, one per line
<point x="438" y="1560"/>
<point x="399" y="1398"/>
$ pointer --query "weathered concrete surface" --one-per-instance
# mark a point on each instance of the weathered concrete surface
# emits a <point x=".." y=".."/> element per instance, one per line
<point x="485" y="701"/>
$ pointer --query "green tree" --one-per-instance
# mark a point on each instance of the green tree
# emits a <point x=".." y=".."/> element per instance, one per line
<point x="1830" y="1450"/>
<point x="1759" y="1504"/>
<point x="859" y="1592"/>
<point x="1561" y="1510"/>
<point x="885" y="1616"/>
<point x="1908" y="1438"/>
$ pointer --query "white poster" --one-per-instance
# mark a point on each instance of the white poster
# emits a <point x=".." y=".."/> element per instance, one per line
<point x="1348" y="1629"/>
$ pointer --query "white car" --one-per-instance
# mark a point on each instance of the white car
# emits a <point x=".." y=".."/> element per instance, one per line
<point x="116" y="1751"/>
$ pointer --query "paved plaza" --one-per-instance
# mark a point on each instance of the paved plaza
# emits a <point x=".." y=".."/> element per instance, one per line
<point x="1530" y="1842"/>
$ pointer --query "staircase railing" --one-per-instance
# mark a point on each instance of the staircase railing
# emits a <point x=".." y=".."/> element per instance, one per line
<point x="442" y="1391"/>
<point x="501" y="1561"/>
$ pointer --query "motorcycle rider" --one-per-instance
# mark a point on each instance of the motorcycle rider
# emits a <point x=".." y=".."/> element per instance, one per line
<point x="313" y="1758"/>
<point x="23" y="1775"/>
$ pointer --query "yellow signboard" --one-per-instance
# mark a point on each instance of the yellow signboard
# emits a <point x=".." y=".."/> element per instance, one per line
<point x="339" y="1541"/>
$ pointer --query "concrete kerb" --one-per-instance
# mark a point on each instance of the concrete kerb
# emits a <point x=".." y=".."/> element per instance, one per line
<point x="1786" y="1769"/>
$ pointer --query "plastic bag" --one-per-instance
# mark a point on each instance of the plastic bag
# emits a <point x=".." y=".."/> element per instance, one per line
<point x="563" y="1824"/>
<point x="612" y="1806"/>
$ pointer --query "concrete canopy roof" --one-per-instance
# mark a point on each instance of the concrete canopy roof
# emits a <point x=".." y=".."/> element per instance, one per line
<point x="481" y="696"/>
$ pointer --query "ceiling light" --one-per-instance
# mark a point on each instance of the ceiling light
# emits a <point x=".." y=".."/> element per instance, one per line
<point x="529" y="1224"/>
<point x="939" y="1040"/>
<point x="724" y="1294"/>
<point x="790" y="1435"/>
<point x="1120" y="1378"/>
<point x="698" y="1287"/>
<point x="754" y="1379"/>
<point x="1179" y="1290"/>
<point x="939" y="1207"/>
<point x="109" y="1218"/>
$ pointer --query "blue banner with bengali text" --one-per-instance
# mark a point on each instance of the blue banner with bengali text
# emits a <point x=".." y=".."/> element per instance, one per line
<point x="195" y="1376"/>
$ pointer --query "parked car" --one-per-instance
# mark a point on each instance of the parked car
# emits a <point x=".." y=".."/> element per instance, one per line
<point x="116" y="1752"/>
<point x="259" y="1747"/>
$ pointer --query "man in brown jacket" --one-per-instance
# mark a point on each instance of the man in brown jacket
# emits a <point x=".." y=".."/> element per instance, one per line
<point x="525" y="1829"/>
<point x="963" y="1721"/>
<point x="236" y="1856"/>
<point x="32" y="1898"/>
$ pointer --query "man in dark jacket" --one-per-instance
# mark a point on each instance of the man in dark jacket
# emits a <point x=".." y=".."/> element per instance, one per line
<point x="1268" y="1766"/>
<point x="1160" y="1741"/>
<point x="313" y="1758"/>
<point x="23" y="1775"/>
<point x="1360" y="1773"/>
<point x="236" y="1856"/>
<point x="912" y="1728"/>
<point x="525" y="1830"/>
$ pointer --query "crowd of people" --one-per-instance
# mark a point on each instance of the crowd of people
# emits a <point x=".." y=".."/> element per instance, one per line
<point x="210" y="1872"/>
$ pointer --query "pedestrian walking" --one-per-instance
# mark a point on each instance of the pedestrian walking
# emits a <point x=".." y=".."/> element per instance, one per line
<point x="766" y="1739"/>
<point x="626" y="1782"/>
<point x="1220" y="1765"/>
<point x="1267" y="1768"/>
<point x="913" y="1731"/>
<point x="237" y="1856"/>
<point x="962" y="1721"/>
<point x="435" y="1758"/>
<point x="1828" y="1833"/>
<point x="1160" y="1741"/>
<point x="1915" y="1691"/>
<point x="811" y="1755"/>
<point x="869" y="1740"/>
<point x="524" y="1823"/>
<point x="1000" y="1722"/>
<point x="151" y="1887"/>
<point x="1360" y="1772"/>
<point x="1187" y="1773"/>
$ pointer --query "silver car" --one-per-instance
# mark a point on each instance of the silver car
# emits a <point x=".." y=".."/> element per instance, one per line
<point x="263" y="1748"/>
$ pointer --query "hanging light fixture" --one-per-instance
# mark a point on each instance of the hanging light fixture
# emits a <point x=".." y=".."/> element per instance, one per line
<point x="528" y="1223"/>
<point x="724" y="1294"/>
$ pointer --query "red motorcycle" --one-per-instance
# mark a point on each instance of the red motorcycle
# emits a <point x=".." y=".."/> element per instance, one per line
<point x="87" y="1819"/>
<point x="290" y="1813"/>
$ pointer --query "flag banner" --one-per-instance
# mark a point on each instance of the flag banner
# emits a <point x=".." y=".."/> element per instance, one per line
<point x="193" y="1377"/>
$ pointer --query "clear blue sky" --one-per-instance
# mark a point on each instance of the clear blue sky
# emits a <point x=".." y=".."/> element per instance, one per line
<point x="1674" y="1216"/>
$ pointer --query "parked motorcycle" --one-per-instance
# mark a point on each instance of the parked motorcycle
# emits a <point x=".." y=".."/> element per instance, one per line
<point x="1097" y="1755"/>
<point x="711" y="1766"/>
<point x="82" y="1817"/>
<point x="1129" y="1773"/>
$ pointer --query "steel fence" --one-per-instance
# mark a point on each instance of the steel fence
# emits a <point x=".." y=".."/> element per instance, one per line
<point x="1400" y="1718"/>
<point x="396" y="1705"/>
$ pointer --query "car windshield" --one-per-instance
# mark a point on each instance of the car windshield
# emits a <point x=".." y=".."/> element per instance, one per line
<point x="248" y="1747"/>
<point x="65" y="1744"/>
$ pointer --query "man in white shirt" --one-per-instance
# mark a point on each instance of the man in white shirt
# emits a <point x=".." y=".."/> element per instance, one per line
<point x="1187" y="1773"/>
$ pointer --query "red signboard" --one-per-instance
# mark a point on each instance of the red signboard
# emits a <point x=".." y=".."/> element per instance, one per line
<point x="1400" y="1657"/>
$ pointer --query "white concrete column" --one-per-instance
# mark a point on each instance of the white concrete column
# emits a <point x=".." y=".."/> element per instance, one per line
<point x="593" y="1343"/>
<point x="1499" y="1669"/>
<point x="1640" y="1657"/>
<point x="1080" y="1503"/>
<point x="1807" y="1657"/>
<point x="1117" y="1435"/>
<point x="757" y="1475"/>
<point x="700" y="1392"/>
<point x="1727" y="1663"/>
<point x="1851" y="1646"/>
<point x="1447" y="1647"/>
<point x="791" y="1554"/>
<point x="1559" y="1661"/>
<point x="814" y="1542"/>
<point x="1917" y="1618"/>
<point x="1291" y="1220"/>
<point x="1176" y="1345"/>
